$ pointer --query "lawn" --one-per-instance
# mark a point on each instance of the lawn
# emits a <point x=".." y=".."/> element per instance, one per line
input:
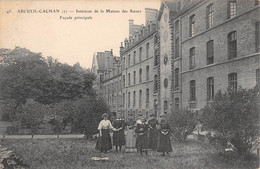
<point x="77" y="153"/>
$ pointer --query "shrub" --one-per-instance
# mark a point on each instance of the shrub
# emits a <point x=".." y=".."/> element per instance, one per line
<point x="32" y="113"/>
<point x="88" y="114"/>
<point x="234" y="117"/>
<point x="182" y="123"/>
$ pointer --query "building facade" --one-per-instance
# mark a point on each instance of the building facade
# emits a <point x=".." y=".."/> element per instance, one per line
<point x="137" y="58"/>
<point x="181" y="57"/>
<point x="219" y="49"/>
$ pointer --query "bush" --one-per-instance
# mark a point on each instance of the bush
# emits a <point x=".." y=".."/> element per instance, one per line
<point x="32" y="114"/>
<point x="182" y="123"/>
<point x="88" y="114"/>
<point x="234" y="117"/>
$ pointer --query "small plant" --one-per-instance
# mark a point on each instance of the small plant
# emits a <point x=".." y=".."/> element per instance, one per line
<point x="182" y="123"/>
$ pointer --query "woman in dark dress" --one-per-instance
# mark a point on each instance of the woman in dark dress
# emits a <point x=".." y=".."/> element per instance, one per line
<point x="153" y="132"/>
<point x="105" y="139"/>
<point x="164" y="129"/>
<point x="142" y="136"/>
<point x="119" y="136"/>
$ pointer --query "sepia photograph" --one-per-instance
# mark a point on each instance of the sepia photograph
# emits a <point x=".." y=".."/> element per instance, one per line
<point x="129" y="84"/>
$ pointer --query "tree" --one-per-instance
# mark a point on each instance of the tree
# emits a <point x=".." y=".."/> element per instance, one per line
<point x="27" y="75"/>
<point x="88" y="114"/>
<point x="182" y="123"/>
<point x="234" y="117"/>
<point x="22" y="72"/>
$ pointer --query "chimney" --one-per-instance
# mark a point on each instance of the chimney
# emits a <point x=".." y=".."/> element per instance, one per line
<point x="131" y="26"/>
<point x="131" y="22"/>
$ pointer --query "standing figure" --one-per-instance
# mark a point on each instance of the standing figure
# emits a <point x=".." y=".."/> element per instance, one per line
<point x="153" y="132"/>
<point x="164" y="145"/>
<point x="142" y="136"/>
<point x="103" y="128"/>
<point x="119" y="136"/>
<point x="130" y="137"/>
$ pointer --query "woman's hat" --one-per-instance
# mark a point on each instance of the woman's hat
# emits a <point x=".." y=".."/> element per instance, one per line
<point x="162" y="115"/>
<point x="138" y="121"/>
<point x="105" y="114"/>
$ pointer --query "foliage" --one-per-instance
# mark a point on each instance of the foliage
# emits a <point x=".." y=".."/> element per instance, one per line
<point x="27" y="75"/>
<point x="88" y="114"/>
<point x="234" y="117"/>
<point x="182" y="123"/>
<point x="32" y="114"/>
<point x="21" y="72"/>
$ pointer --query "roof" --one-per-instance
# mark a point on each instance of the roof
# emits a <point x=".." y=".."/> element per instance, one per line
<point x="172" y="5"/>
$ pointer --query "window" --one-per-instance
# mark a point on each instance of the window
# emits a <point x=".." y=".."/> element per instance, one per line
<point x="134" y="77"/>
<point x="156" y="57"/>
<point x="147" y="50"/>
<point x="129" y="60"/>
<point x="155" y="84"/>
<point x="123" y="64"/>
<point x="147" y="72"/>
<point x="210" y="52"/>
<point x="129" y="79"/>
<point x="177" y="104"/>
<point x="209" y="16"/>
<point x="232" y="45"/>
<point x="257" y="36"/>
<point x="134" y="57"/>
<point x="192" y="25"/>
<point x="147" y="97"/>
<point x="192" y="90"/>
<point x="177" y="26"/>
<point x="140" y="54"/>
<point x="123" y="99"/>
<point x="192" y="58"/>
<point x="140" y="98"/>
<point x="155" y="107"/>
<point x="232" y="81"/>
<point x="140" y="75"/>
<point x="123" y="80"/>
<point x="177" y="78"/>
<point x="177" y="48"/>
<point x="210" y="88"/>
<point x="129" y="99"/>
<point x="134" y="98"/>
<point x="232" y="8"/>
<point x="165" y="106"/>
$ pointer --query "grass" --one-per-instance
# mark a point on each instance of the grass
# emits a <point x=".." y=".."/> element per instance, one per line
<point x="77" y="153"/>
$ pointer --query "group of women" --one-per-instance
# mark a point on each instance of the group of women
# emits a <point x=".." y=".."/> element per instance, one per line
<point x="138" y="136"/>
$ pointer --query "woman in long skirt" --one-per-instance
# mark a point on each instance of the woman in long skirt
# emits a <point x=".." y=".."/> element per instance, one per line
<point x="142" y="136"/>
<point x="153" y="133"/>
<point x="130" y="137"/>
<point x="103" y="128"/>
<point x="164" y="145"/>
<point x="119" y="136"/>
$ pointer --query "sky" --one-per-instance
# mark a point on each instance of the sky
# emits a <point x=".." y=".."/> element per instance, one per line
<point x="68" y="40"/>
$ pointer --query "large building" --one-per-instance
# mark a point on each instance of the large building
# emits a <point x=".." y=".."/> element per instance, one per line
<point x="216" y="47"/>
<point x="137" y="58"/>
<point x="183" y="55"/>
